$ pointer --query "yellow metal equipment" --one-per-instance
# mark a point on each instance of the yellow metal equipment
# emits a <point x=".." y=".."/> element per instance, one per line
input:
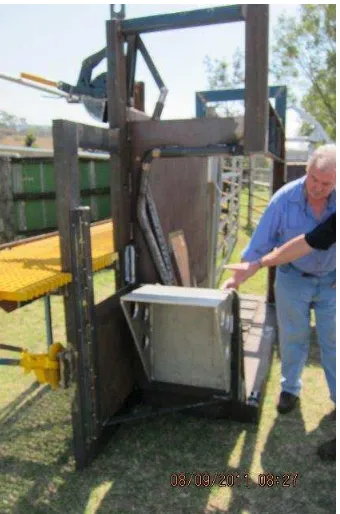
<point x="41" y="80"/>
<point x="33" y="268"/>
<point x="45" y="366"/>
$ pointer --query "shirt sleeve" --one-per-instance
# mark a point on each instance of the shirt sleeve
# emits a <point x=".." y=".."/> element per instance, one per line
<point x="324" y="235"/>
<point x="266" y="235"/>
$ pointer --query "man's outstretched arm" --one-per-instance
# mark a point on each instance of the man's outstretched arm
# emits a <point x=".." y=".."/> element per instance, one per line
<point x="321" y="238"/>
<point x="293" y="249"/>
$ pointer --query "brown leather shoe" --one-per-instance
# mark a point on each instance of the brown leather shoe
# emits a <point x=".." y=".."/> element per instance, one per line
<point x="327" y="450"/>
<point x="287" y="402"/>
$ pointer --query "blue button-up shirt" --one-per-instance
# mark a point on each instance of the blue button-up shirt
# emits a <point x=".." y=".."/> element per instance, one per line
<point x="289" y="215"/>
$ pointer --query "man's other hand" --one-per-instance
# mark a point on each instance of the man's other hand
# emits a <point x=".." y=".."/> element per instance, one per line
<point x="242" y="271"/>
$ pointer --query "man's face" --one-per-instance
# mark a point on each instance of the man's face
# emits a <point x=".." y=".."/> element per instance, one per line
<point x="320" y="184"/>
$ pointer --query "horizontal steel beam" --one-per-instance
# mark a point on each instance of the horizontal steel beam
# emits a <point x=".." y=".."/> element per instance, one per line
<point x="182" y="20"/>
<point x="97" y="138"/>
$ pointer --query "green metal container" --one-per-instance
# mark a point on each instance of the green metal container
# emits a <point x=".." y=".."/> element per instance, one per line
<point x="33" y="188"/>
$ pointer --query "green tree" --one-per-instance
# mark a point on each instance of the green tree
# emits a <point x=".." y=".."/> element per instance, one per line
<point x="304" y="52"/>
<point x="302" y="56"/>
<point x="30" y="139"/>
<point x="8" y="120"/>
<point x="224" y="75"/>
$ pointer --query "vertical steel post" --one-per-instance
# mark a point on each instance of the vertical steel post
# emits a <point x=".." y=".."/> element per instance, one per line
<point x="252" y="166"/>
<point x="121" y="179"/>
<point x="7" y="229"/>
<point x="48" y="320"/>
<point x="66" y="169"/>
<point x="87" y="402"/>
<point x="256" y="79"/>
<point x="75" y="248"/>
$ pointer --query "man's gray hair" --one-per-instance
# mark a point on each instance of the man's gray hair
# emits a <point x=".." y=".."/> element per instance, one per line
<point x="323" y="158"/>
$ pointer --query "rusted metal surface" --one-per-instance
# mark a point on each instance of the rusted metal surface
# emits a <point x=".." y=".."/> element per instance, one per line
<point x="179" y="186"/>
<point x="117" y="101"/>
<point x="168" y="181"/>
<point x="117" y="357"/>
<point x="256" y="79"/>
<point x="7" y="229"/>
<point x="195" y="132"/>
<point x="66" y="166"/>
<point x="97" y="138"/>
<point x="259" y="324"/>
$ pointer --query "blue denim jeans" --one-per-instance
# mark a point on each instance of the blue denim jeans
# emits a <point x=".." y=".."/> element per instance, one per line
<point x="295" y="296"/>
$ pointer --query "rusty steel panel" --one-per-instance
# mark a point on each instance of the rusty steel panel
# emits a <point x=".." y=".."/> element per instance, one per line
<point x="179" y="185"/>
<point x="116" y="357"/>
<point x="195" y="132"/>
<point x="179" y="188"/>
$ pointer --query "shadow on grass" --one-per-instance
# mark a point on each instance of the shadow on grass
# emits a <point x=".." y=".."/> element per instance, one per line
<point x="132" y="474"/>
<point x="17" y="408"/>
<point x="302" y="481"/>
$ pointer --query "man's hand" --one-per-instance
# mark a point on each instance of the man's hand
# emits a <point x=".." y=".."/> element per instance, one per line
<point x="242" y="271"/>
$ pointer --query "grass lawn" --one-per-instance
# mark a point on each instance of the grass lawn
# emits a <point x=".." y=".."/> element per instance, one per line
<point x="132" y="475"/>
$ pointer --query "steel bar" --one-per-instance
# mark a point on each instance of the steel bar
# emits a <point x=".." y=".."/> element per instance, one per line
<point x="145" y="224"/>
<point x="48" y="320"/>
<point x="51" y="91"/>
<point x="11" y="348"/>
<point x="120" y="165"/>
<point x="278" y="93"/>
<point x="131" y="58"/>
<point x="256" y="116"/>
<point x="150" y="64"/>
<point x="166" y="410"/>
<point x="159" y="234"/>
<point x="87" y="408"/>
<point x="97" y="138"/>
<point x="182" y="20"/>
<point x="10" y="362"/>
<point x="200" y="151"/>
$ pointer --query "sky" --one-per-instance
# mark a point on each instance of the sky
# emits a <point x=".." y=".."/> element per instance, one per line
<point x="52" y="40"/>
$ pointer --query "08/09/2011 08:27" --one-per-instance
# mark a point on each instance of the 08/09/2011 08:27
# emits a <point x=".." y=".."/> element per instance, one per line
<point x="232" y="479"/>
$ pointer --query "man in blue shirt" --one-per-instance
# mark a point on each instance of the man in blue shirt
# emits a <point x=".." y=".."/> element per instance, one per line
<point x="306" y="283"/>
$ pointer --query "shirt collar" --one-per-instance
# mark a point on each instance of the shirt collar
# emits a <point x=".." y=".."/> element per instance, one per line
<point x="298" y="194"/>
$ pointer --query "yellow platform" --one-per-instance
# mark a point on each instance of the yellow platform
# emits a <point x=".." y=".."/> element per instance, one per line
<point x="33" y="269"/>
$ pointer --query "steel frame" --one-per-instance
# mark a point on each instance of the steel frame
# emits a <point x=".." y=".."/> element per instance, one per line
<point x="68" y="136"/>
<point x="275" y="147"/>
<point x="278" y="93"/>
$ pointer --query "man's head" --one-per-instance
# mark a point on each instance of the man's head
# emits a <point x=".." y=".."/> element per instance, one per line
<point x="321" y="169"/>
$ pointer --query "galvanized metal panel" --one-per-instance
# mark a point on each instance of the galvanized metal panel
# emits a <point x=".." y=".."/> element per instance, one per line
<point x="174" y="295"/>
<point x="188" y="341"/>
<point x="187" y="349"/>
